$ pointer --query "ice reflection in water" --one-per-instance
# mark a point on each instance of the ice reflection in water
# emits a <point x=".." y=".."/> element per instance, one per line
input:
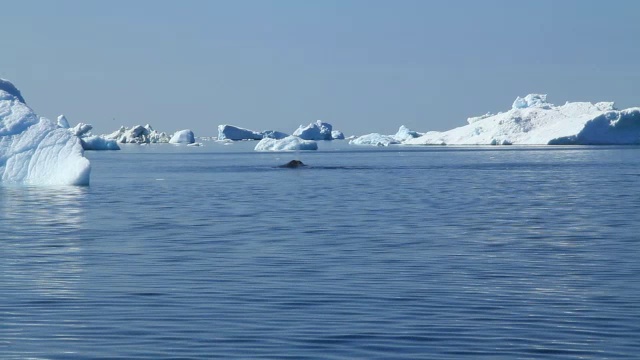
<point x="40" y="239"/>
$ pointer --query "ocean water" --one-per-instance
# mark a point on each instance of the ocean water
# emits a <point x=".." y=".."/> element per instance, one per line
<point x="367" y="253"/>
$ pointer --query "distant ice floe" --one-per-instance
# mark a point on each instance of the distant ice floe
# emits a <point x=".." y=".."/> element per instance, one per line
<point x="534" y="121"/>
<point x="290" y="143"/>
<point x="36" y="151"/>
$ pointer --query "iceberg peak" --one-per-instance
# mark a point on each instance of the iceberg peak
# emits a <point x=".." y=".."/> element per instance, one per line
<point x="531" y="101"/>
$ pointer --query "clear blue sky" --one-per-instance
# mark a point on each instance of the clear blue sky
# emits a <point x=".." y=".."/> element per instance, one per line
<point x="364" y="66"/>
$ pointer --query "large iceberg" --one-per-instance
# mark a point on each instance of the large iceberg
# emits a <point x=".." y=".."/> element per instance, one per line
<point x="230" y="132"/>
<point x="315" y="131"/>
<point x="290" y="143"/>
<point x="534" y="121"/>
<point x="35" y="150"/>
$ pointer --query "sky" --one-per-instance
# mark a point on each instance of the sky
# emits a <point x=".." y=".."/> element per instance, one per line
<point x="362" y="65"/>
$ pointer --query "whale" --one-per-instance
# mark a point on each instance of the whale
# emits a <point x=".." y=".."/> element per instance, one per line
<point x="293" y="164"/>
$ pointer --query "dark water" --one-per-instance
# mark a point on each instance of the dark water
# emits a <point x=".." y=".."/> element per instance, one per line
<point x="214" y="252"/>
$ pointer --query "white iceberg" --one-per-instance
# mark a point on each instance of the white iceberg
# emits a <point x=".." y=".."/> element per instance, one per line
<point x="230" y="132"/>
<point x="35" y="150"/>
<point x="290" y="143"/>
<point x="183" y="137"/>
<point x="138" y="135"/>
<point x="534" y="121"/>
<point x="315" y="131"/>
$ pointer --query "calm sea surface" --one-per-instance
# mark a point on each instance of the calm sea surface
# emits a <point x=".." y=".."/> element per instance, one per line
<point x="369" y="253"/>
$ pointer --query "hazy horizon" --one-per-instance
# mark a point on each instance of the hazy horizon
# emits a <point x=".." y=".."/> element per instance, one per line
<point x="363" y="66"/>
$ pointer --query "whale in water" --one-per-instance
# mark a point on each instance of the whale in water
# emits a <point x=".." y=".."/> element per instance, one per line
<point x="293" y="164"/>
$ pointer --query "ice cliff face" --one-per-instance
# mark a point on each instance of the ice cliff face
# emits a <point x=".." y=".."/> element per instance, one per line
<point x="534" y="121"/>
<point x="35" y="150"/>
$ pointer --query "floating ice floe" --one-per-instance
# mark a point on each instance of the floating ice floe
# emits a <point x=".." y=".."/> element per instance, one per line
<point x="35" y="150"/>
<point x="183" y="137"/>
<point x="290" y="143"/>
<point x="534" y="121"/>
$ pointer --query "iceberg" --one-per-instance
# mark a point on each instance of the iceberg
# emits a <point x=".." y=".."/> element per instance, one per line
<point x="36" y="151"/>
<point x="230" y="132"/>
<point x="315" y="131"/>
<point x="138" y="135"/>
<point x="79" y="130"/>
<point x="290" y="143"/>
<point x="183" y="137"/>
<point x="337" y="135"/>
<point x="88" y="141"/>
<point x="534" y="121"/>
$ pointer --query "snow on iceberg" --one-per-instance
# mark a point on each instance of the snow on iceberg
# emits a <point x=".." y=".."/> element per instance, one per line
<point x="230" y="132"/>
<point x="290" y="143"/>
<point x="533" y="121"/>
<point x="183" y="137"/>
<point x="35" y="150"/>
<point x="315" y="131"/>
